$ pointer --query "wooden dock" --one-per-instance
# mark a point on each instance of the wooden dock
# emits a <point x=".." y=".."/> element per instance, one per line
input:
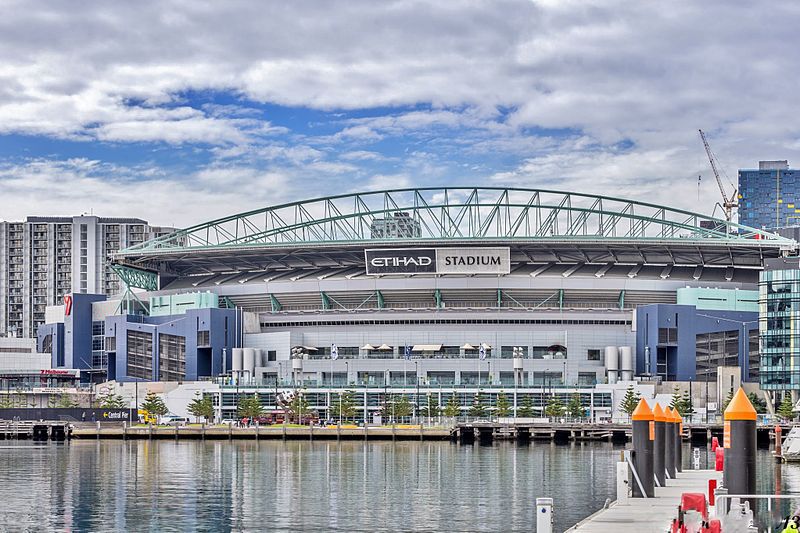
<point x="40" y="431"/>
<point x="277" y="432"/>
<point x="649" y="514"/>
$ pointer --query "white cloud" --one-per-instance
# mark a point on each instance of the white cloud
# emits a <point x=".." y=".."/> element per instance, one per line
<point x="627" y="84"/>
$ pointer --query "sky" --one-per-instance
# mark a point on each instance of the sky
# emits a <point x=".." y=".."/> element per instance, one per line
<point x="185" y="111"/>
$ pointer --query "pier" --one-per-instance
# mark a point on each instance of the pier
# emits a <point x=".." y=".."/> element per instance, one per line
<point x="275" y="432"/>
<point x="38" y="431"/>
<point x="649" y="514"/>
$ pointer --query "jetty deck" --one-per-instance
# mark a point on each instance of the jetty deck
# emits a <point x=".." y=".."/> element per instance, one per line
<point x="649" y="514"/>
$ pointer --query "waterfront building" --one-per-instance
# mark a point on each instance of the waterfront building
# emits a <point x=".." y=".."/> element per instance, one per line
<point x="706" y="329"/>
<point x="22" y="366"/>
<point x="44" y="258"/>
<point x="769" y="197"/>
<point x="779" y="327"/>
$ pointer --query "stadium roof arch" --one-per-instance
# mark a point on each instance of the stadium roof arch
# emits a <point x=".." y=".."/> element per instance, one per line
<point x="538" y="225"/>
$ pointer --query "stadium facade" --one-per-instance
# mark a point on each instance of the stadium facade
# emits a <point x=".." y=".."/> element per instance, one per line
<point x="434" y="287"/>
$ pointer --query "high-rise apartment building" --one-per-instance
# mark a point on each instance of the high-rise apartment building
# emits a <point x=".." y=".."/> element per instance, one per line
<point x="44" y="258"/>
<point x="770" y="196"/>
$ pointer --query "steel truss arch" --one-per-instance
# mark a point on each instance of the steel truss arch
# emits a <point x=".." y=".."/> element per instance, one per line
<point x="461" y="214"/>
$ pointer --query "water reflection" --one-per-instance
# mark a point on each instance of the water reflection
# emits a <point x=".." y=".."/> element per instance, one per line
<point x="306" y="486"/>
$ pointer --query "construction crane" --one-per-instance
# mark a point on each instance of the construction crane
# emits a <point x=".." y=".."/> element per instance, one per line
<point x="728" y="203"/>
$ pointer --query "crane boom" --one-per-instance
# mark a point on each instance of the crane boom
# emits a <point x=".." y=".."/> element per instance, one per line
<point x="727" y="203"/>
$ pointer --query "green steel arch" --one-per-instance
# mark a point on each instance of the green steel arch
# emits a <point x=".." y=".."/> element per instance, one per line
<point x="460" y="214"/>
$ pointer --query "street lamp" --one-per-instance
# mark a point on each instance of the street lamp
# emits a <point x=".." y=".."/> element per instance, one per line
<point x="416" y="400"/>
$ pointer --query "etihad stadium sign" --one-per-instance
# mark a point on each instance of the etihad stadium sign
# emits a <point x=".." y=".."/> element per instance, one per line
<point x="409" y="261"/>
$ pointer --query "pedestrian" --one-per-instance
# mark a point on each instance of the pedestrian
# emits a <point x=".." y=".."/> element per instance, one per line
<point x="83" y="416"/>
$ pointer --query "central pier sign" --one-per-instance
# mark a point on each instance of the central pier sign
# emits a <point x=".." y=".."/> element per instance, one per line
<point x="409" y="261"/>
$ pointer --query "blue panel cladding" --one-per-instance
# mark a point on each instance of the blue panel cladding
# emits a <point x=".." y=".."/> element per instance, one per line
<point x="78" y="331"/>
<point x="689" y="322"/>
<point x="221" y="324"/>
<point x="56" y="331"/>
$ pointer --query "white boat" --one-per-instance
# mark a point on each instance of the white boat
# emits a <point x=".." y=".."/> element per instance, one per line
<point x="790" y="449"/>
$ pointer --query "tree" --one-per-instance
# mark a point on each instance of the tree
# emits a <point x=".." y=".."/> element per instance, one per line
<point x="342" y="406"/>
<point x="431" y="407"/>
<point x="248" y="407"/>
<point x="387" y="407"/>
<point x="526" y="407"/>
<point x="108" y="399"/>
<point x="687" y="404"/>
<point x="727" y="400"/>
<point x="575" y="408"/>
<point x="452" y="408"/>
<point x="403" y="407"/>
<point x="630" y="401"/>
<point x="298" y="407"/>
<point x="503" y="406"/>
<point x="478" y="409"/>
<point x="202" y="406"/>
<point x="785" y="410"/>
<point x="554" y="407"/>
<point x="677" y="401"/>
<point x="6" y="402"/>
<point x="65" y="401"/>
<point x="154" y="404"/>
<point x="759" y="404"/>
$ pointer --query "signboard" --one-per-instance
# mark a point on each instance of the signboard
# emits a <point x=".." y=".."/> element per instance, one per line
<point x="410" y="261"/>
<point x="67" y="305"/>
<point x="402" y="261"/>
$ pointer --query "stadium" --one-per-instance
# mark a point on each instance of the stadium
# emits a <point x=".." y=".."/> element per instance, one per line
<point x="433" y="287"/>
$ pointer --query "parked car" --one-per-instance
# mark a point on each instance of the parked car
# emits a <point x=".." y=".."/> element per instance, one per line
<point x="174" y="420"/>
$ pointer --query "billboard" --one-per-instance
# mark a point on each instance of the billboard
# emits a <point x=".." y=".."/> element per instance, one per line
<point x="410" y="261"/>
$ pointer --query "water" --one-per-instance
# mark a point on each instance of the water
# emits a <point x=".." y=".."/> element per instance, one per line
<point x="305" y="486"/>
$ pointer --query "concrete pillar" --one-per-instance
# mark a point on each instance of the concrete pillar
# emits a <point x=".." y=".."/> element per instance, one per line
<point x="739" y="471"/>
<point x="643" y="436"/>
<point x="659" y="445"/>
<point x="669" y="443"/>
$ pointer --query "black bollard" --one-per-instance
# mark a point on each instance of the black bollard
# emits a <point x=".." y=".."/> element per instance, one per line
<point x="659" y="468"/>
<point x="678" y="440"/>
<point x="643" y="435"/>
<point x="739" y="470"/>
<point x="669" y="443"/>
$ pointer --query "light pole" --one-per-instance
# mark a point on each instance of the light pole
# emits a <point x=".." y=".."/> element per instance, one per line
<point x="416" y="400"/>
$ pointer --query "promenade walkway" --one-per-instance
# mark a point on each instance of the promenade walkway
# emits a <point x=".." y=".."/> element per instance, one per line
<point x="649" y="514"/>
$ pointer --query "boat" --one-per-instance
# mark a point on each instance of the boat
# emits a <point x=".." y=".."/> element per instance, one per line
<point x="790" y="449"/>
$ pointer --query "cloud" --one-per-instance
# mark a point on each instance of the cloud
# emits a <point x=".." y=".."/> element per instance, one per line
<point x="602" y="94"/>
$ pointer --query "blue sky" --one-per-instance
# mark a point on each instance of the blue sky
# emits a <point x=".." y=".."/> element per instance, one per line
<point x="180" y="112"/>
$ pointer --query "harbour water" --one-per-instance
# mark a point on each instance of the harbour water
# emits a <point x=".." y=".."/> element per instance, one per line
<point x="304" y="486"/>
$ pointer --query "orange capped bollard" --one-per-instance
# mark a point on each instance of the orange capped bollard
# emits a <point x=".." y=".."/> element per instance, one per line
<point x="678" y="440"/>
<point x="642" y="484"/>
<point x="669" y="442"/>
<point x="739" y="471"/>
<point x="659" y="445"/>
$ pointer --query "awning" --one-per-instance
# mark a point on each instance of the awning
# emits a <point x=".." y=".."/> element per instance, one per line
<point x="384" y="347"/>
<point x="310" y="349"/>
<point x="368" y="347"/>
<point x="486" y="346"/>
<point x="468" y="346"/>
<point x="426" y="348"/>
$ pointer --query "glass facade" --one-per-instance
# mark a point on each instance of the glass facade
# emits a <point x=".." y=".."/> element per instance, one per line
<point x="171" y="357"/>
<point x="769" y="198"/>
<point x="779" y="329"/>
<point x="140" y="354"/>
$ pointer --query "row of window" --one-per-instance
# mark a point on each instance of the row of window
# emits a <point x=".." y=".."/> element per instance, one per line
<point x="436" y="321"/>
